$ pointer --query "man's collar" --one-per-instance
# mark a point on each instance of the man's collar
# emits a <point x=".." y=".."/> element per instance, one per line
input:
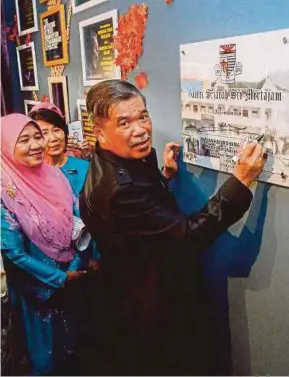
<point x="115" y="159"/>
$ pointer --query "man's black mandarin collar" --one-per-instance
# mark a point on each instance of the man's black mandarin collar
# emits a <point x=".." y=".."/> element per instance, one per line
<point x="117" y="160"/>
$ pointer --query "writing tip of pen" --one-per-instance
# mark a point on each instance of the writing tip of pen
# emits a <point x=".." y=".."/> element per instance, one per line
<point x="259" y="138"/>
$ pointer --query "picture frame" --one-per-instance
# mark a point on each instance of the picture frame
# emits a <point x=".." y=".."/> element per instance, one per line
<point x="80" y="5"/>
<point x="53" y="36"/>
<point x="26" y="12"/>
<point x="81" y="103"/>
<point x="97" y="51"/>
<point x="75" y="130"/>
<point x="27" y="67"/>
<point x="58" y="94"/>
<point x="29" y="104"/>
<point x="86" y="125"/>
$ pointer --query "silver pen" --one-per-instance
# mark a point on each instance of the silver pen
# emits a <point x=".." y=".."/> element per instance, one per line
<point x="237" y="157"/>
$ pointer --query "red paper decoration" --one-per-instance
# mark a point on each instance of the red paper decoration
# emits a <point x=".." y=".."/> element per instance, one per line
<point x="12" y="31"/>
<point x="28" y="39"/>
<point x="141" y="80"/>
<point x="128" y="40"/>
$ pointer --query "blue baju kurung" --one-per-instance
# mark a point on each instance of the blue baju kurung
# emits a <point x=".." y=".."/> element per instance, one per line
<point x="33" y="278"/>
<point x="51" y="327"/>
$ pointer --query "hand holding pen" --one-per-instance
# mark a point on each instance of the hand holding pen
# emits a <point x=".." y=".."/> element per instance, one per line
<point x="237" y="157"/>
<point x="170" y="156"/>
<point x="250" y="162"/>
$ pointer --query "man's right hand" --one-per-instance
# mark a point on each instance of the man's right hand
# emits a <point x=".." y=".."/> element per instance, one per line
<point x="170" y="161"/>
<point x="74" y="275"/>
<point x="251" y="163"/>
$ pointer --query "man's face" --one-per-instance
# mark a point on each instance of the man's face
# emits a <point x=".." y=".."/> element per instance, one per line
<point x="127" y="131"/>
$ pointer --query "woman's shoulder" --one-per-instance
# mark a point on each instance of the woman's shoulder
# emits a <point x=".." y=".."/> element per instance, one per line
<point x="77" y="162"/>
<point x="9" y="220"/>
<point x="5" y="211"/>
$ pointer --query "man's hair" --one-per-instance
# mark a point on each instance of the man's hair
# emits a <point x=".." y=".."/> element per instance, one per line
<point x="107" y="93"/>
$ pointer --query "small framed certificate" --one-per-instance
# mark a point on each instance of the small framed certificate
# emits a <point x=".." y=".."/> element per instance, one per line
<point x="58" y="94"/>
<point x="26" y="16"/>
<point x="53" y="35"/>
<point x="97" y="49"/>
<point x="29" y="104"/>
<point x="27" y="67"/>
<point x="80" y="5"/>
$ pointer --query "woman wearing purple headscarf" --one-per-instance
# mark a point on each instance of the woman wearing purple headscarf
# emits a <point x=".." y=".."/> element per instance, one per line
<point x="36" y="245"/>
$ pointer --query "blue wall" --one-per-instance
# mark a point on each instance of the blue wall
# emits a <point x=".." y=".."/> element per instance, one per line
<point x="247" y="269"/>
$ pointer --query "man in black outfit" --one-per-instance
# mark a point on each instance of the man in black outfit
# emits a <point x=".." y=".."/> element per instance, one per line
<point x="151" y="317"/>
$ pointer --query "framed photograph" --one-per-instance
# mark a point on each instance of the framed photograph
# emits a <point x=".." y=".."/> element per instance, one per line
<point x="53" y="35"/>
<point x="80" y="5"/>
<point x="27" y="67"/>
<point x="97" y="51"/>
<point x="29" y="104"/>
<point x="58" y="94"/>
<point x="75" y="130"/>
<point x="26" y="16"/>
<point x="86" y="124"/>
